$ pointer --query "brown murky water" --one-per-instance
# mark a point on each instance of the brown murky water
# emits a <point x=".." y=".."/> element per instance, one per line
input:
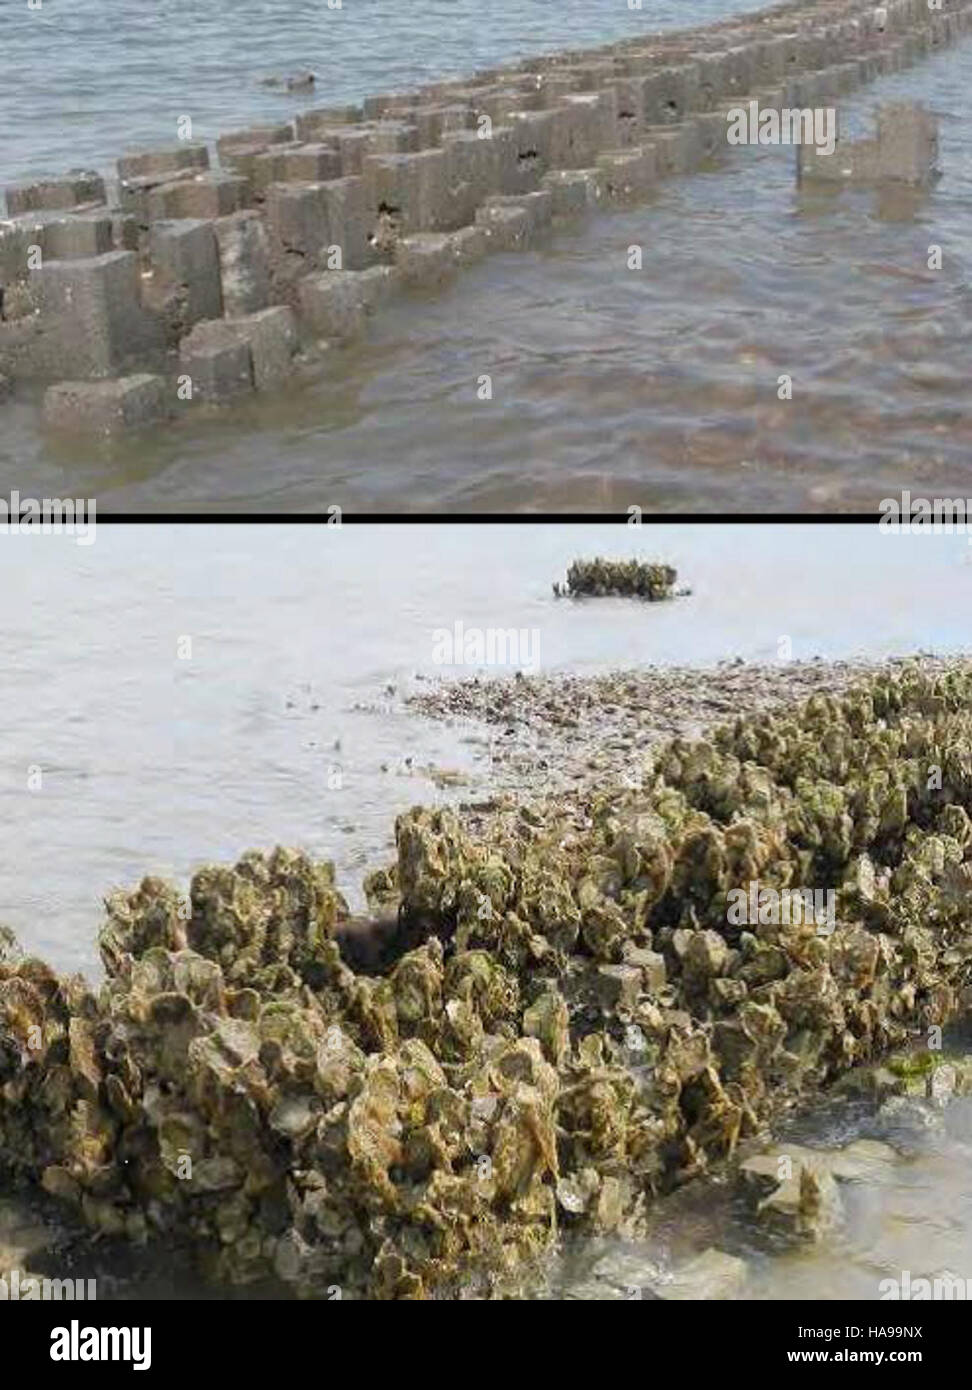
<point x="612" y="386"/>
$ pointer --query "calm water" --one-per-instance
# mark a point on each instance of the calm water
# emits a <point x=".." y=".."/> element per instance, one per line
<point x="611" y="386"/>
<point x="86" y="80"/>
<point x="151" y="763"/>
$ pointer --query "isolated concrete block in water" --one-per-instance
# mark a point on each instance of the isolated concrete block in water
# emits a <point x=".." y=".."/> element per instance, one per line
<point x="271" y="336"/>
<point x="335" y="304"/>
<point x="74" y="190"/>
<point x="905" y="151"/>
<point x="95" y="311"/>
<point x="572" y="191"/>
<point x="213" y="194"/>
<point x="183" y="156"/>
<point x="627" y="174"/>
<point x="426" y="259"/>
<point x="185" y="255"/>
<point x="678" y="148"/>
<point x="244" y="262"/>
<point x="107" y="407"/>
<point x="217" y="361"/>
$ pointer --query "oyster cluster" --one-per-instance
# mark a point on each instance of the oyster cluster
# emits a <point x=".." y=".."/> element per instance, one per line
<point x="572" y="1024"/>
<point x="628" y="578"/>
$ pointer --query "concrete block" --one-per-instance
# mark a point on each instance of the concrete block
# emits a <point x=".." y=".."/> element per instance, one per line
<point x="95" y="309"/>
<point x="678" y="148"/>
<point x="671" y="93"/>
<point x="433" y="122"/>
<point x="469" y="244"/>
<point x="134" y="194"/>
<point x="425" y="260"/>
<point x="572" y="191"/>
<point x="626" y="175"/>
<point x="583" y="126"/>
<point x="336" y="304"/>
<point x="74" y="190"/>
<point x="711" y="129"/>
<point x="905" y="151"/>
<point x="271" y="336"/>
<point x="309" y="124"/>
<point x="255" y="135"/>
<point x="411" y="189"/>
<point x="195" y="157"/>
<point x="507" y="227"/>
<point x="213" y="194"/>
<point x="629" y="95"/>
<point x="538" y="207"/>
<point x="59" y="236"/>
<point x="350" y="216"/>
<point x="107" y="407"/>
<point x="244" y="262"/>
<point x="185" y="257"/>
<point x="534" y="136"/>
<point x="310" y="164"/>
<point x="217" y="362"/>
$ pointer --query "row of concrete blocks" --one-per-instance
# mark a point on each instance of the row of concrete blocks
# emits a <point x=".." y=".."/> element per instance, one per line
<point x="433" y="189"/>
<point x="650" y="90"/>
<point x="224" y="266"/>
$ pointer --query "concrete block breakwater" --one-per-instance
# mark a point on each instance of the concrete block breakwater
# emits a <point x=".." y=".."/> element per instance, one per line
<point x="188" y="282"/>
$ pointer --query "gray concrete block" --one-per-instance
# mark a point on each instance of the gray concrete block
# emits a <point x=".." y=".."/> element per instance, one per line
<point x="95" y="309"/>
<point x="538" y="207"/>
<point x="254" y="135"/>
<point x="244" y="262"/>
<point x="213" y="194"/>
<point x="335" y="304"/>
<point x="310" y="124"/>
<point x="59" y="236"/>
<point x="182" y="156"/>
<point x="627" y="175"/>
<point x="217" y="361"/>
<point x="134" y="194"/>
<point x="469" y="244"/>
<point x="107" y="407"/>
<point x="572" y="191"/>
<point x="185" y="257"/>
<point x="271" y="336"/>
<point x="74" y="190"/>
<point x="506" y="226"/>
<point x="425" y="260"/>
<point x="411" y="189"/>
<point x="583" y="127"/>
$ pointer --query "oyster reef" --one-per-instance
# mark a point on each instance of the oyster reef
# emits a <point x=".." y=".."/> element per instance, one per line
<point x="564" y="1024"/>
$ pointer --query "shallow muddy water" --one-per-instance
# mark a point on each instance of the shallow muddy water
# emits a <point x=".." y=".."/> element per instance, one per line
<point x="610" y="386"/>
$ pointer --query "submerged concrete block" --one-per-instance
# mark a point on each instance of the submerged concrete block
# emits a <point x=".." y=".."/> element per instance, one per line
<point x="335" y="304"/>
<point x="538" y="207"/>
<point x="271" y="336"/>
<point x="905" y="151"/>
<point x="506" y="225"/>
<point x="107" y="407"/>
<point x="72" y="191"/>
<point x="183" y="156"/>
<point x="469" y="244"/>
<point x="96" y="312"/>
<point x="572" y="191"/>
<point x="217" y="361"/>
<point x="426" y="259"/>
<point x="678" y="148"/>
<point x="626" y="175"/>
<point x="244" y="262"/>
<point x="185" y="257"/>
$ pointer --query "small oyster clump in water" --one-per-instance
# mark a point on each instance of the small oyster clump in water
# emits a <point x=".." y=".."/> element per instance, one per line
<point x="564" y="1022"/>
<point x="628" y="578"/>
